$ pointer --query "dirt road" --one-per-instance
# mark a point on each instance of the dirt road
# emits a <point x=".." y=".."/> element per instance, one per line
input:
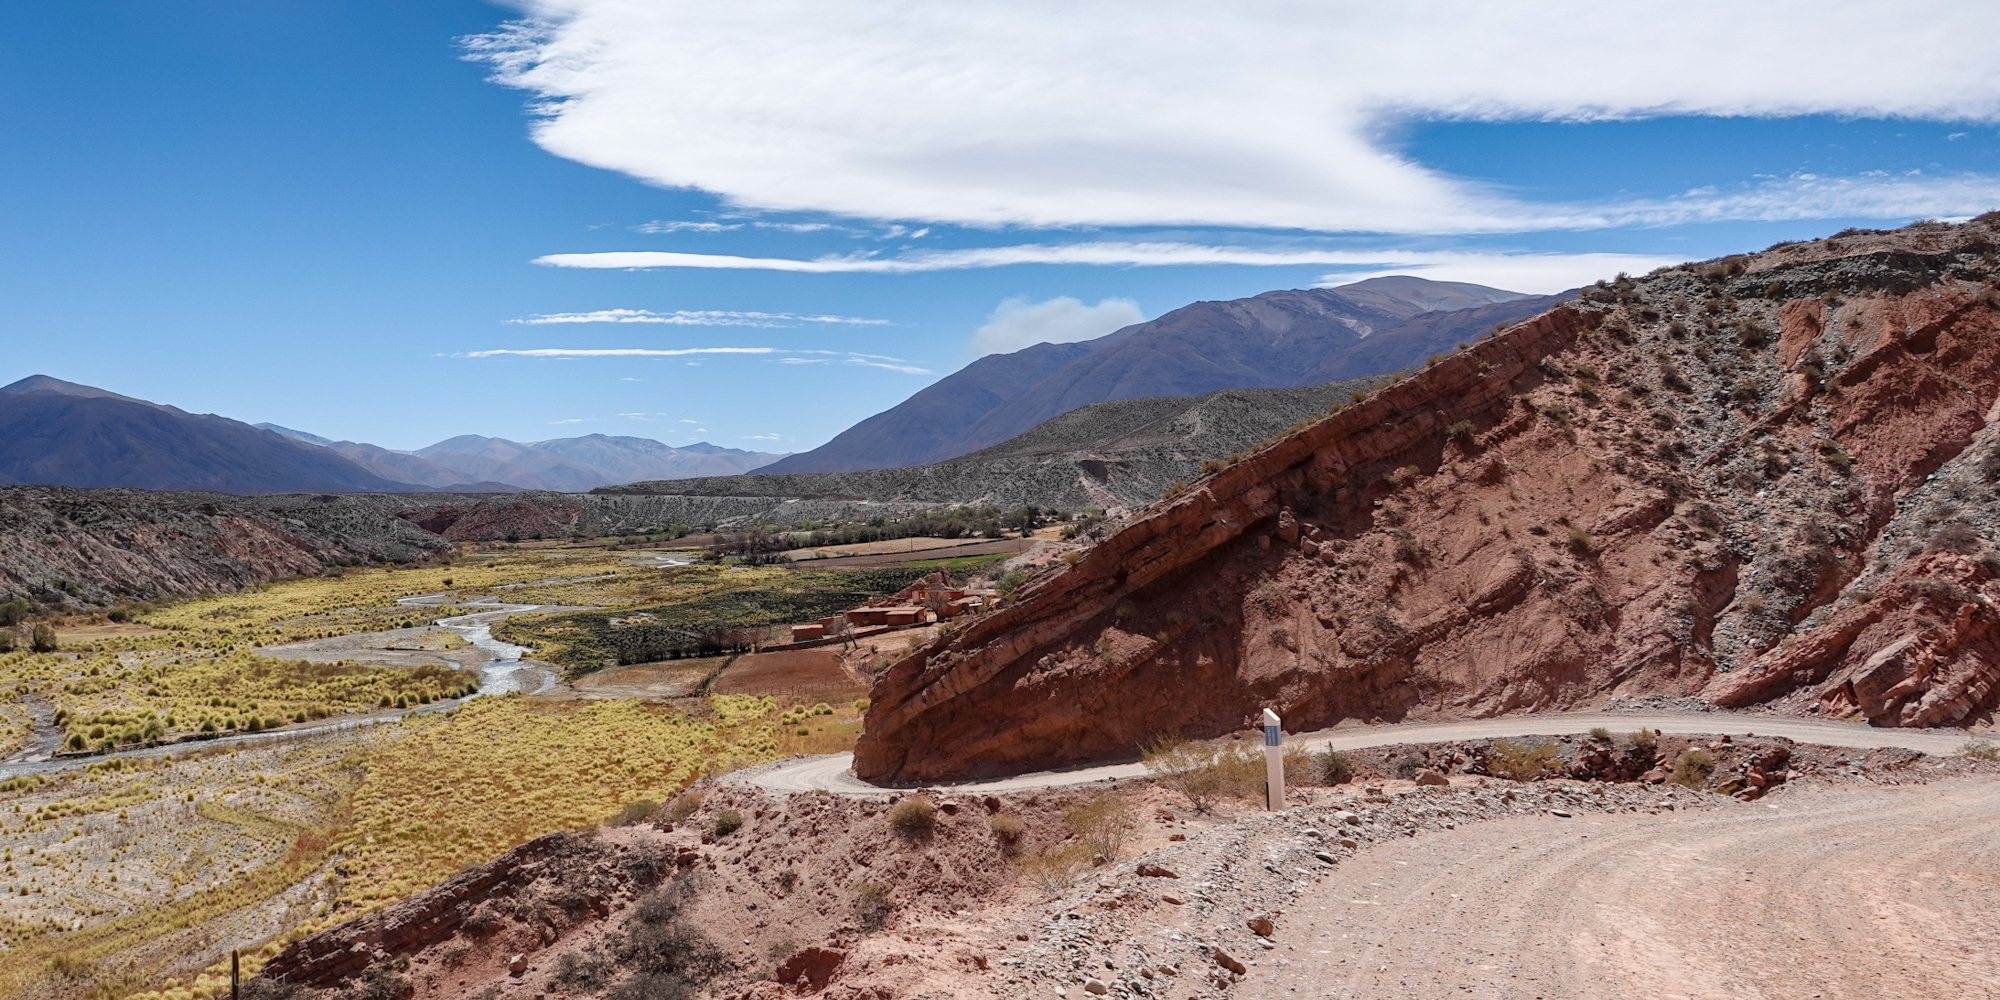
<point x="1873" y="892"/>
<point x="831" y="772"/>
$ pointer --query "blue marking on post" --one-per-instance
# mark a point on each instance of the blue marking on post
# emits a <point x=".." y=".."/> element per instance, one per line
<point x="1271" y="737"/>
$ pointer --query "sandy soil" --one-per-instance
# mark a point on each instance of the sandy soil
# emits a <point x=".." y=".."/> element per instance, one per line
<point x="392" y="648"/>
<point x="801" y="672"/>
<point x="669" y="679"/>
<point x="1864" y="892"/>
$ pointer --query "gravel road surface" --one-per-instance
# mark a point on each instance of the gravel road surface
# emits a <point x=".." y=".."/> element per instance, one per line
<point x="1870" y="892"/>
<point x="831" y="771"/>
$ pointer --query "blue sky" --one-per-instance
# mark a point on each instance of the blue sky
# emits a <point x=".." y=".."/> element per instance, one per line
<point x="328" y="216"/>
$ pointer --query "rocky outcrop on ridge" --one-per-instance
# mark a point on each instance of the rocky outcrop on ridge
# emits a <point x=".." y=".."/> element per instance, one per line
<point x="66" y="549"/>
<point x="1676" y="486"/>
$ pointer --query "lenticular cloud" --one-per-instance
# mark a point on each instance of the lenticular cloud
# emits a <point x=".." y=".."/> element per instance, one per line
<point x="1045" y="113"/>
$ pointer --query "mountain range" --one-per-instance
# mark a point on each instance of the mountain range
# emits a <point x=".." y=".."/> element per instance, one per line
<point x="561" y="465"/>
<point x="61" y="433"/>
<point x="1279" y="339"/>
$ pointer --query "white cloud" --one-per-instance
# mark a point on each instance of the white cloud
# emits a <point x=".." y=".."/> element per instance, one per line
<point x="694" y="317"/>
<point x="616" y="352"/>
<point x="905" y="369"/>
<point x="806" y="361"/>
<point x="1556" y="271"/>
<point x="1017" y="323"/>
<point x="686" y="227"/>
<point x="1260" y="114"/>
<point x="687" y="421"/>
<point x="760" y="437"/>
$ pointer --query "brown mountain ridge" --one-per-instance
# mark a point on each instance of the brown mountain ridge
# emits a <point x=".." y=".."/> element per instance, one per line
<point x="1764" y="480"/>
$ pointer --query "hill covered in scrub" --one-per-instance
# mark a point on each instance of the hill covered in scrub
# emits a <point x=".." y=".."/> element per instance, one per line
<point x="1765" y="480"/>
<point x="1119" y="453"/>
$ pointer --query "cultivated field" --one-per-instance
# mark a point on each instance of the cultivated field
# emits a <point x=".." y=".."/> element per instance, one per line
<point x="133" y="876"/>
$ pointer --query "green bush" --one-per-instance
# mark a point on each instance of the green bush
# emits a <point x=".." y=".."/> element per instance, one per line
<point x="43" y="639"/>
<point x="1981" y="750"/>
<point x="727" y="822"/>
<point x="1600" y="734"/>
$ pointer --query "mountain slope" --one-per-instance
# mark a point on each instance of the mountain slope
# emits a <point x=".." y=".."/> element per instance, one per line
<point x="53" y="435"/>
<point x="1264" y="341"/>
<point x="1762" y="480"/>
<point x="920" y="429"/>
<point x="1119" y="453"/>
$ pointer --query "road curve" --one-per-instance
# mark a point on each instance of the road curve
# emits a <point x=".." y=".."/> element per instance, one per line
<point x="1864" y="892"/>
<point x="832" y="772"/>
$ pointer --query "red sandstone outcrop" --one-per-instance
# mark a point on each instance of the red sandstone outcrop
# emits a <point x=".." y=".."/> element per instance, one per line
<point x="1642" y="494"/>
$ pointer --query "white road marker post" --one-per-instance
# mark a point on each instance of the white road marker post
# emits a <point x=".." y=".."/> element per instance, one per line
<point x="1274" y="763"/>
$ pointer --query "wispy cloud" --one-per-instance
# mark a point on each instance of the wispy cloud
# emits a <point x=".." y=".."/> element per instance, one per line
<point x="1558" y="271"/>
<point x="905" y="369"/>
<point x="806" y="361"/>
<point x="615" y="352"/>
<point x="760" y="437"/>
<point x="1043" y="113"/>
<point x="687" y="421"/>
<point x="686" y="227"/>
<point x="695" y="317"/>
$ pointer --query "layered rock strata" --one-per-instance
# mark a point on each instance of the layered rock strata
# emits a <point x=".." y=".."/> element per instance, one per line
<point x="1664" y="490"/>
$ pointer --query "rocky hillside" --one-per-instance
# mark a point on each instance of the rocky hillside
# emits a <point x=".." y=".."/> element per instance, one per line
<point x="1765" y="480"/>
<point x="65" y="549"/>
<point x="1114" y="454"/>
<point x="1279" y="339"/>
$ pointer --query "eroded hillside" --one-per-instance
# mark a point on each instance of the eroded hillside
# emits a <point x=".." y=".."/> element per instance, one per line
<point x="1715" y="480"/>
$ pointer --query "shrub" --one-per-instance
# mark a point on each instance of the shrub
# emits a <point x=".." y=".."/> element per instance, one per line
<point x="667" y="954"/>
<point x="914" y="813"/>
<point x="1981" y="750"/>
<point x="1458" y="429"/>
<point x="6" y="640"/>
<point x="1103" y="823"/>
<point x="1335" y="768"/>
<point x="1580" y="541"/>
<point x="1007" y="826"/>
<point x="1186" y="767"/>
<point x="727" y="822"/>
<point x="1692" y="768"/>
<point x="1640" y="739"/>
<point x="873" y="903"/>
<point x="1056" y="868"/>
<point x="634" y="812"/>
<point x="43" y="639"/>
<point x="683" y="807"/>
<point x="1600" y="734"/>
<point x="1521" y="762"/>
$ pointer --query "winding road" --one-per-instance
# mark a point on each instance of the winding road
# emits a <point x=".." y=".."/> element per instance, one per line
<point x="832" y="772"/>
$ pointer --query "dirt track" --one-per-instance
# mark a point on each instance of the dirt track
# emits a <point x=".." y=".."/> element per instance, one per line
<point x="833" y="772"/>
<point x="1874" y="892"/>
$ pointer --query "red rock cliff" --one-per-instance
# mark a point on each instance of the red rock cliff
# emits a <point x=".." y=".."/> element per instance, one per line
<point x="1645" y="494"/>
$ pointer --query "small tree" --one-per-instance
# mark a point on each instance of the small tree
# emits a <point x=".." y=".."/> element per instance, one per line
<point x="43" y="639"/>
<point x="1104" y="823"/>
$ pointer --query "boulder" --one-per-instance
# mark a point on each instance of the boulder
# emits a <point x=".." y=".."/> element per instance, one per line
<point x="1428" y="777"/>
